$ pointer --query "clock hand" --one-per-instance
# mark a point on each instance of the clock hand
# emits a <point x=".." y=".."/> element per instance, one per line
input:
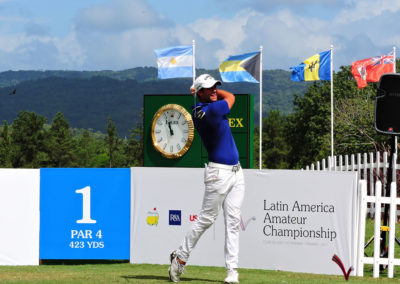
<point x="166" y="130"/>
<point x="170" y="129"/>
<point x="169" y="126"/>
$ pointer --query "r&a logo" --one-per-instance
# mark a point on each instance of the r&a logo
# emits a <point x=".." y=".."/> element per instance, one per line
<point x="175" y="217"/>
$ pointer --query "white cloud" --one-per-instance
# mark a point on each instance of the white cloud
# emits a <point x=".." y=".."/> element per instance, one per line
<point x="70" y="51"/>
<point x="118" y="16"/>
<point x="366" y="9"/>
<point x="284" y="37"/>
<point x="8" y="43"/>
<point x="228" y="31"/>
<point x="288" y="38"/>
<point x="122" y="34"/>
<point x="29" y="53"/>
<point x="21" y="51"/>
<point x="266" y="6"/>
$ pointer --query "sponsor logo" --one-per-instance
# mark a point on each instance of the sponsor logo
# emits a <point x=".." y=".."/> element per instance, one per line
<point x="152" y="217"/>
<point x="243" y="225"/>
<point x="193" y="218"/>
<point x="236" y="122"/>
<point x="339" y="262"/>
<point x="175" y="217"/>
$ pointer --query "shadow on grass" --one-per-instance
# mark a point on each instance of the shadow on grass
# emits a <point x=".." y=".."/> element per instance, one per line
<point x="166" y="278"/>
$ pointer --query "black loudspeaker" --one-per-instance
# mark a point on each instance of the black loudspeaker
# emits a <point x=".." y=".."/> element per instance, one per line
<point x="387" y="105"/>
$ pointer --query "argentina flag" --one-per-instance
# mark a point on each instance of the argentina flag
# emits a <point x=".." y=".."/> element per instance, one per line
<point x="317" y="67"/>
<point x="175" y="62"/>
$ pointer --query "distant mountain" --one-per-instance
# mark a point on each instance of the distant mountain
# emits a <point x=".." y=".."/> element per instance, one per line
<point x="87" y="98"/>
<point x="140" y="74"/>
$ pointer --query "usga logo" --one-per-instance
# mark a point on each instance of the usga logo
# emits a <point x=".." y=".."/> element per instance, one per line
<point x="175" y="217"/>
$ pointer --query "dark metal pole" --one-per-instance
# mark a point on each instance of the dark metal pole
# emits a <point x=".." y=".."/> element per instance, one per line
<point x="389" y="181"/>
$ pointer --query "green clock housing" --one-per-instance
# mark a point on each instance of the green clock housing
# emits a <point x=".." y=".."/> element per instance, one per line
<point x="173" y="130"/>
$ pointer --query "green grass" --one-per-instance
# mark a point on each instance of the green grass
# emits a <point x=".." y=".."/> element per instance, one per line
<point x="146" y="273"/>
<point x="369" y="232"/>
<point x="120" y="272"/>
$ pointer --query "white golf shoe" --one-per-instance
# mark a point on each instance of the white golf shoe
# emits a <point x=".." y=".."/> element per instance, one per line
<point x="176" y="268"/>
<point x="233" y="277"/>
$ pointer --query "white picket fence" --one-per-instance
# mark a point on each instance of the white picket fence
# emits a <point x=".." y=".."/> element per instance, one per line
<point x="371" y="167"/>
<point x="372" y="174"/>
<point x="378" y="200"/>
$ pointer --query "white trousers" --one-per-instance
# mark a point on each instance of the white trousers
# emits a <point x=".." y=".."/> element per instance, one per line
<point x="224" y="189"/>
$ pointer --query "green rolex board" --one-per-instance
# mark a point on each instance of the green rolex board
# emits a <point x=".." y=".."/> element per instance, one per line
<point x="240" y="121"/>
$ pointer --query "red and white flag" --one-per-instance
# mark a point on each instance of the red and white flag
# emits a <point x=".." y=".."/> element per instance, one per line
<point x="371" y="69"/>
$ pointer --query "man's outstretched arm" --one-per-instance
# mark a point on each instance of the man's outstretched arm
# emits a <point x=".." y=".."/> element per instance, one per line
<point x="227" y="96"/>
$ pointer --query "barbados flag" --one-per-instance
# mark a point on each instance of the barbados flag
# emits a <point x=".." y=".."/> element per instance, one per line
<point x="317" y="67"/>
<point x="241" y="68"/>
<point x="175" y="62"/>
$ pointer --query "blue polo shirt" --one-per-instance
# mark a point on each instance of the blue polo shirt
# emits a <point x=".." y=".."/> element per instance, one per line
<point x="215" y="132"/>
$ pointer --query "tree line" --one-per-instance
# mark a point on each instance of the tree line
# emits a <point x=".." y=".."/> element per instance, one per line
<point x="31" y="143"/>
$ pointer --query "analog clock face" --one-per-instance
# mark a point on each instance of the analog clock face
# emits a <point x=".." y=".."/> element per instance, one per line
<point x="172" y="131"/>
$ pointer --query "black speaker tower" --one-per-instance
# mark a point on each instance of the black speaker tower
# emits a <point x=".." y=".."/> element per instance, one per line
<point x="387" y="121"/>
<point x="387" y="105"/>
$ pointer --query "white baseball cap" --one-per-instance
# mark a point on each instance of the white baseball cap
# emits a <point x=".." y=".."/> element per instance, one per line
<point x="205" y="81"/>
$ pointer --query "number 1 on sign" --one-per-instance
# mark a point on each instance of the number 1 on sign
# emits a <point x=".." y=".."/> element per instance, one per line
<point x="85" y="206"/>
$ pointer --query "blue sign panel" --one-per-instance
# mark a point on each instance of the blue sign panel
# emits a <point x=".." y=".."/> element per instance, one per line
<point x="85" y="213"/>
<point x="175" y="217"/>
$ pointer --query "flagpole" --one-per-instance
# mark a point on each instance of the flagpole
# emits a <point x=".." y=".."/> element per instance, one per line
<point x="194" y="68"/>
<point x="332" y="160"/>
<point x="194" y="60"/>
<point x="394" y="71"/>
<point x="260" y="154"/>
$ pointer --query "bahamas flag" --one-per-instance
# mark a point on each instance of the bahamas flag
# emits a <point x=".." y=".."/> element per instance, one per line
<point x="241" y="68"/>
<point x="317" y="67"/>
<point x="175" y="62"/>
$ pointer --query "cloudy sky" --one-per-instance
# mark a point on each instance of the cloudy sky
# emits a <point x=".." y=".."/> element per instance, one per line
<point x="122" y="34"/>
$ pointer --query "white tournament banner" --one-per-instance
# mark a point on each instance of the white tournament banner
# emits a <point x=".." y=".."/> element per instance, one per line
<point x="298" y="220"/>
<point x="165" y="202"/>
<point x="19" y="217"/>
<point x="291" y="220"/>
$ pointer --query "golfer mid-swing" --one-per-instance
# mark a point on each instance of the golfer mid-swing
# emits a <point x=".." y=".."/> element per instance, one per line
<point x="223" y="178"/>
